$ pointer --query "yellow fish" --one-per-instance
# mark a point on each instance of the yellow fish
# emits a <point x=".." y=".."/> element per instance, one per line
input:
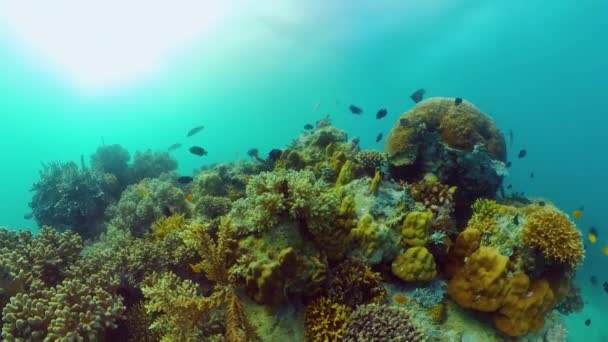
<point x="592" y="238"/>
<point x="577" y="213"/>
<point x="605" y="250"/>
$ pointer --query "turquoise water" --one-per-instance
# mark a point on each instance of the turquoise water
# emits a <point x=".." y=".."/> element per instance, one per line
<point x="537" y="67"/>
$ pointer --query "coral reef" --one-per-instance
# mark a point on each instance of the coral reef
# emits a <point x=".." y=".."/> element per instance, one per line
<point x="377" y="323"/>
<point x="114" y="160"/>
<point x="353" y="283"/>
<point x="150" y="164"/>
<point x="415" y="264"/>
<point x="415" y="229"/>
<point x="69" y="198"/>
<point x="326" y="320"/>
<point x="370" y="161"/>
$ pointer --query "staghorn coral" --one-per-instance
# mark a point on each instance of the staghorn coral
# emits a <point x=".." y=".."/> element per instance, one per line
<point x="166" y="225"/>
<point x="551" y="231"/>
<point x="69" y="199"/>
<point x="415" y="264"/>
<point x="415" y="228"/>
<point x="150" y="164"/>
<point x="370" y="161"/>
<point x="353" y="283"/>
<point x="76" y="309"/>
<point x="325" y="320"/>
<point x="378" y="323"/>
<point x="145" y="202"/>
<point x="482" y="283"/>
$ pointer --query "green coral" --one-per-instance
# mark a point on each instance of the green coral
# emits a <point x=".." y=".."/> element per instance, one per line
<point x="415" y="228"/>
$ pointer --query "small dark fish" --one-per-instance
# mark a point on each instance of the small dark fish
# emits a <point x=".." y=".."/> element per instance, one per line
<point x="542" y="203"/>
<point x="516" y="220"/>
<point x="174" y="147"/>
<point x="185" y="180"/>
<point x="605" y="285"/>
<point x="418" y="95"/>
<point x="355" y="110"/>
<point x="379" y="137"/>
<point x="274" y="154"/>
<point x="593" y="231"/>
<point x="509" y="164"/>
<point x="587" y="322"/>
<point x="28" y="216"/>
<point x="531" y="174"/>
<point x="511" y="138"/>
<point x="522" y="153"/>
<point x="194" y="131"/>
<point x="593" y="280"/>
<point x="457" y="101"/>
<point x="199" y="151"/>
<point x="509" y="186"/>
<point x="308" y="127"/>
<point x="381" y="113"/>
<point x="404" y="122"/>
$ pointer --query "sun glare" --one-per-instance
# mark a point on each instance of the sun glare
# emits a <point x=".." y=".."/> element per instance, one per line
<point x="100" y="44"/>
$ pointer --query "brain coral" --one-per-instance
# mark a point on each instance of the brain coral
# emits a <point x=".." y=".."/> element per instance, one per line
<point x="551" y="231"/>
<point x="416" y="264"/>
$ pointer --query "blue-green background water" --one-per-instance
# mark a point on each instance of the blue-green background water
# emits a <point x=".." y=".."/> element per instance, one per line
<point x="538" y="67"/>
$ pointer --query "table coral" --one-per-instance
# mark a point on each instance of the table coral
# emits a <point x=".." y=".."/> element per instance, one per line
<point x="551" y="231"/>
<point x="415" y="264"/>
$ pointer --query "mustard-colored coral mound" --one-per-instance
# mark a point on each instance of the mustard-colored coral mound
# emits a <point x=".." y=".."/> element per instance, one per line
<point x="366" y="234"/>
<point x="525" y="307"/>
<point x="415" y="228"/>
<point x="482" y="283"/>
<point x="416" y="264"/>
<point x="326" y="321"/>
<point x="551" y="231"/>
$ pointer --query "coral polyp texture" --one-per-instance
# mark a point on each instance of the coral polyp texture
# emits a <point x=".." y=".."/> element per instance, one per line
<point x="316" y="241"/>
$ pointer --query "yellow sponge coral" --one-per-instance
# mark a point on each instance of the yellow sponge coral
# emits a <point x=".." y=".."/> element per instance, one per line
<point x="525" y="308"/>
<point x="416" y="264"/>
<point x="482" y="283"/>
<point x="415" y="229"/>
<point x="551" y="231"/>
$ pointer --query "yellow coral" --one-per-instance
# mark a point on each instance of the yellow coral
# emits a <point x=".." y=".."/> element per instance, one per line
<point x="366" y="233"/>
<point x="346" y="173"/>
<point x="482" y="283"/>
<point x="415" y="228"/>
<point x="551" y="231"/>
<point x="165" y="225"/>
<point x="437" y="313"/>
<point x="483" y="218"/>
<point x="373" y="186"/>
<point x="525" y="307"/>
<point x="326" y="321"/>
<point x="416" y="264"/>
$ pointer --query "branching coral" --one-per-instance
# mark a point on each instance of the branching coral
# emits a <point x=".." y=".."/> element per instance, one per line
<point x="432" y="193"/>
<point x="143" y="203"/>
<point x="69" y="199"/>
<point x="379" y="323"/>
<point x="325" y="320"/>
<point x="150" y="164"/>
<point x="353" y="283"/>
<point x="552" y="232"/>
<point x="166" y="225"/>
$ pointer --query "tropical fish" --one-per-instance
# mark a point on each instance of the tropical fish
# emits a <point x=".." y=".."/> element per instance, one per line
<point x="509" y="164"/>
<point x="381" y="113"/>
<point x="195" y="130"/>
<point x="457" y="101"/>
<point x="592" y="237"/>
<point x="605" y="250"/>
<point x="308" y="127"/>
<point x="28" y="216"/>
<point x="509" y="186"/>
<point x="605" y="285"/>
<point x="531" y="174"/>
<point x="174" y="146"/>
<point x="379" y="137"/>
<point x="587" y="322"/>
<point x="593" y="280"/>
<point x="274" y="154"/>
<point x="578" y="213"/>
<point x="418" y="95"/>
<point x="355" y="110"/>
<point x="197" y="150"/>
<point x="404" y="122"/>
<point x="522" y="153"/>
<point x="184" y="180"/>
